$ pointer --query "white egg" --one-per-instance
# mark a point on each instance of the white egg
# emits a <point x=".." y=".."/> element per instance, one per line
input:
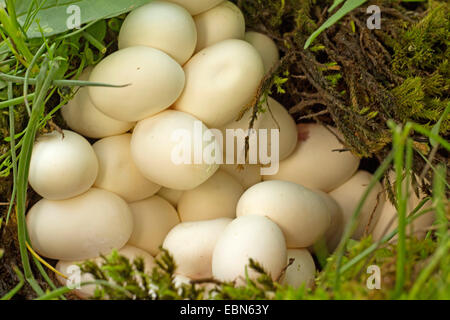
<point x="220" y="81"/>
<point x="254" y="237"/>
<point x="160" y="25"/>
<point x="388" y="220"/>
<point x="191" y="245"/>
<point x="299" y="212"/>
<point x="275" y="117"/>
<point x="63" y="165"/>
<point x="83" y="117"/>
<point x="171" y="195"/>
<point x="247" y="174"/>
<point x="163" y="148"/>
<point x="223" y="22"/>
<point x="153" y="219"/>
<point x="154" y="81"/>
<point x="75" y="277"/>
<point x="80" y="228"/>
<point x="216" y="198"/>
<point x="335" y="231"/>
<point x="266" y="48"/>
<point x="302" y="271"/>
<point x="316" y="162"/>
<point x="117" y="171"/>
<point x="348" y="196"/>
<point x="196" y="6"/>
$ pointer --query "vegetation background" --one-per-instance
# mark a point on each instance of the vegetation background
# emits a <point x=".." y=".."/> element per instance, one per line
<point x="387" y="90"/>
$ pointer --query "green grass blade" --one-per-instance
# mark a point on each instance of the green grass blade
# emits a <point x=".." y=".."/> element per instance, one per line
<point x="348" y="6"/>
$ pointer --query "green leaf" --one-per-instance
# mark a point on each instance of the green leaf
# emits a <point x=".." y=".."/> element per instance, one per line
<point x="54" y="15"/>
<point x="348" y="6"/>
<point x="437" y="127"/>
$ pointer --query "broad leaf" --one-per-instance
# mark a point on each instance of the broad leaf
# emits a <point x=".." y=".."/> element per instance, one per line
<point x="55" y="16"/>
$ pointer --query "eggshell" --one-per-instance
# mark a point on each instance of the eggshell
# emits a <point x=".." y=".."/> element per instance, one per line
<point x="275" y="117"/>
<point x="196" y="6"/>
<point x="302" y="271"/>
<point x="315" y="162"/>
<point x="63" y="165"/>
<point x="155" y="143"/>
<point x="80" y="228"/>
<point x="247" y="174"/>
<point x="171" y="195"/>
<point x="335" y="231"/>
<point x="223" y="22"/>
<point x="153" y="219"/>
<point x="266" y="48"/>
<point x="191" y="245"/>
<point x="300" y="213"/>
<point x="160" y="25"/>
<point x="154" y="79"/>
<point x="350" y="193"/>
<point x="117" y="171"/>
<point x="72" y="270"/>
<point x="220" y="81"/>
<point x="216" y="198"/>
<point x="388" y="220"/>
<point x="83" y="117"/>
<point x="248" y="237"/>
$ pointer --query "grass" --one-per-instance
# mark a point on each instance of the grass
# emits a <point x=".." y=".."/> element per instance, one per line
<point x="47" y="64"/>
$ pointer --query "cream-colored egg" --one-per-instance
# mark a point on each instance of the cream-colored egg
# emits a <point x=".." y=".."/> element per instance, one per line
<point x="247" y="174"/>
<point x="275" y="117"/>
<point x="266" y="48"/>
<point x="83" y="117"/>
<point x="216" y="198"/>
<point x="160" y="25"/>
<point x="80" y="228"/>
<point x="300" y="213"/>
<point x="63" y="165"/>
<point x="334" y="233"/>
<point x="350" y="193"/>
<point x="248" y="237"/>
<point x="154" y="82"/>
<point x="164" y="149"/>
<point x="171" y="195"/>
<point x="302" y="271"/>
<point x="223" y="22"/>
<point x="388" y="220"/>
<point x="75" y="277"/>
<point x="196" y="6"/>
<point x="117" y="171"/>
<point x="220" y="81"/>
<point x="153" y="219"/>
<point x="316" y="162"/>
<point x="191" y="245"/>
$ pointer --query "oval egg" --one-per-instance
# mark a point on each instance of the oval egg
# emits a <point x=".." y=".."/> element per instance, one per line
<point x="80" y="228"/>
<point x="191" y="245"/>
<point x="350" y="193"/>
<point x="153" y="219"/>
<point x="216" y="198"/>
<point x="163" y="148"/>
<point x="63" y="165"/>
<point x="222" y="22"/>
<point x="160" y="25"/>
<point x="266" y="48"/>
<point x="153" y="82"/>
<point x="302" y="271"/>
<point x="83" y="117"/>
<point x="220" y="81"/>
<point x="248" y="237"/>
<point x="117" y="172"/>
<point x="316" y="162"/>
<point x="299" y="212"/>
